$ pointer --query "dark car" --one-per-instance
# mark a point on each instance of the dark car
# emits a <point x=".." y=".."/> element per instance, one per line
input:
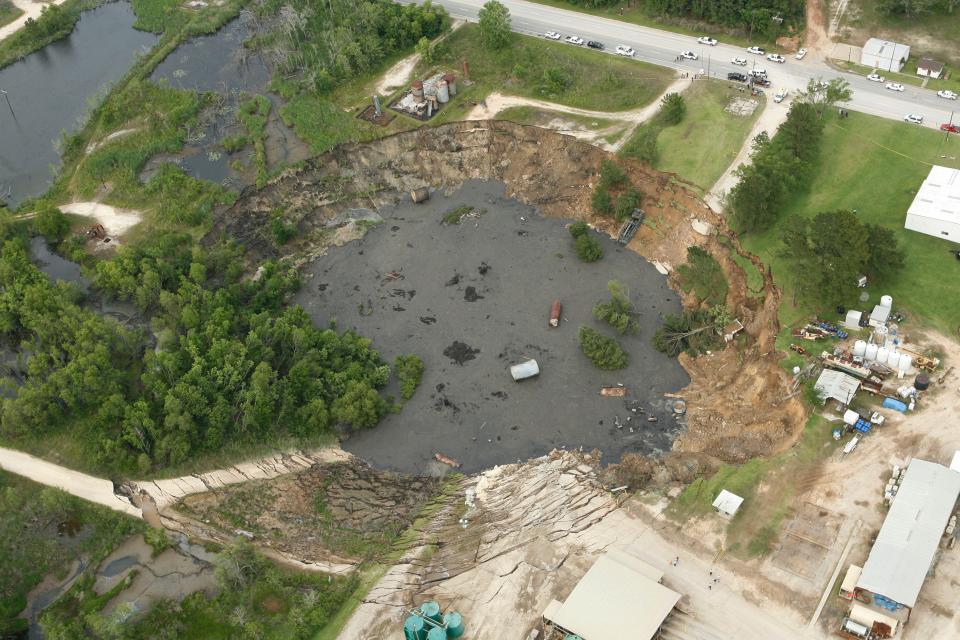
<point x="593" y="44"/>
<point x="736" y="77"/>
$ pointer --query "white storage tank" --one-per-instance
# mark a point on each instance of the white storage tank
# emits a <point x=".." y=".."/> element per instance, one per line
<point x="871" y="353"/>
<point x="906" y="360"/>
<point x="851" y="417"/>
<point x="443" y="92"/>
<point x="886" y="301"/>
<point x="859" y="348"/>
<point x="853" y="319"/>
<point x="893" y="360"/>
<point x="882" y="354"/>
<point x="880" y="335"/>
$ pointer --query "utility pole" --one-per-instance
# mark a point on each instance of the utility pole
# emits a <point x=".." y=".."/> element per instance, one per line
<point x="7" y="96"/>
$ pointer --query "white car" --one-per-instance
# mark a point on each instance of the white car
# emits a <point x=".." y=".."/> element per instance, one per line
<point x="801" y="54"/>
<point x="776" y="57"/>
<point x="710" y="42"/>
<point x="913" y="118"/>
<point x="875" y="77"/>
<point x="551" y="35"/>
<point x="946" y="93"/>
<point x="894" y="86"/>
<point x="758" y="72"/>
<point x="624" y="50"/>
<point x="740" y="62"/>
<point x="688" y="55"/>
<point x="780" y="96"/>
<point x="757" y="51"/>
<point x="577" y="40"/>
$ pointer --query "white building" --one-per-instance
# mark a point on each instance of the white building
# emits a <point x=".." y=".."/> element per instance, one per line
<point x="929" y="68"/>
<point x="935" y="210"/>
<point x="885" y="55"/>
<point x="727" y="503"/>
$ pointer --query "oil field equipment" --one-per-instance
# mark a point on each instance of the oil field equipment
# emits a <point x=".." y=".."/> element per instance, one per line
<point x="428" y="622"/>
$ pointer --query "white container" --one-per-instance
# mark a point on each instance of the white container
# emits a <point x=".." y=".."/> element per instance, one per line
<point x="443" y="92"/>
<point x="882" y="354"/>
<point x="525" y="370"/>
<point x="859" y="348"/>
<point x="871" y="353"/>
<point x="906" y="361"/>
<point x="893" y="360"/>
<point x="886" y="301"/>
<point x="850" y="417"/>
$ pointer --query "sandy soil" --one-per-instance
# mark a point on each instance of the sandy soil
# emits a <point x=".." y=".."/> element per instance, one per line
<point x="399" y="74"/>
<point x="79" y="484"/>
<point x="116" y="221"/>
<point x="816" y="39"/>
<point x="31" y="9"/>
<point x="93" y="146"/>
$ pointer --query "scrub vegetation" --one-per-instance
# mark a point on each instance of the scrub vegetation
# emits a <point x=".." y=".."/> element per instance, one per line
<point x="703" y="275"/>
<point x="8" y="12"/>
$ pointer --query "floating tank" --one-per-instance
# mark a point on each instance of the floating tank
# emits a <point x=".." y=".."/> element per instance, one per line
<point x="859" y="348"/>
<point x="871" y="353"/>
<point x="906" y="360"/>
<point x="454" y="622"/>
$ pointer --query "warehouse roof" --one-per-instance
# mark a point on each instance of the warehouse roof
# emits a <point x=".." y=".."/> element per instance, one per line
<point x="886" y="49"/>
<point x="619" y="597"/>
<point x="908" y="540"/>
<point x="939" y="196"/>
<point x="837" y="385"/>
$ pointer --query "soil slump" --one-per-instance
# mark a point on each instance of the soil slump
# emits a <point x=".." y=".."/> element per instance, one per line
<point x="468" y="407"/>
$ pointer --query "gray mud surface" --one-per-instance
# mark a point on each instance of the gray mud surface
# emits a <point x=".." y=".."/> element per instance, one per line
<point x="473" y="299"/>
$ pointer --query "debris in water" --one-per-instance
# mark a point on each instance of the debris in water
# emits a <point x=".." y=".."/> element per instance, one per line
<point x="427" y="319"/>
<point x="471" y="295"/>
<point x="483" y="268"/>
<point x="460" y="352"/>
<point x="455" y="280"/>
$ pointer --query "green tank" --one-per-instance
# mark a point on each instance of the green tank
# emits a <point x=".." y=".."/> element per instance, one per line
<point x="414" y="628"/>
<point x="437" y="633"/>
<point x="573" y="637"/>
<point x="454" y="622"/>
<point x="431" y="609"/>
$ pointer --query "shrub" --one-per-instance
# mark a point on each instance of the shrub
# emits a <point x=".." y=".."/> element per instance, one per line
<point x="409" y="372"/>
<point x="588" y="248"/>
<point x="618" y="312"/>
<point x="602" y="201"/>
<point x="578" y="229"/>
<point x="556" y="80"/>
<point x="52" y="224"/>
<point x="611" y="175"/>
<point x="604" y="352"/>
<point x="672" y="110"/>
<point x="232" y="144"/>
<point x="282" y="231"/>
<point x="626" y="203"/>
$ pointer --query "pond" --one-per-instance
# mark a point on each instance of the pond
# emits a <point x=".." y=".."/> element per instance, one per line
<point x="50" y="93"/>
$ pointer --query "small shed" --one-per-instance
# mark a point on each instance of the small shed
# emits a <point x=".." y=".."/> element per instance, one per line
<point x="852" y="320"/>
<point x="929" y="68"/>
<point x="837" y="385"/>
<point x="879" y="316"/>
<point x="727" y="503"/>
<point x="849" y="583"/>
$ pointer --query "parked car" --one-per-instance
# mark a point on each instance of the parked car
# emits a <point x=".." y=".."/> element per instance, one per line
<point x="875" y="77"/>
<point x="946" y="93"/>
<point x="758" y="72"/>
<point x="577" y="40"/>
<point x="740" y="62"/>
<point x="707" y="40"/>
<point x="776" y="57"/>
<point x="688" y="55"/>
<point x="801" y="54"/>
<point x="624" y="50"/>
<point x="593" y="44"/>
<point x="757" y="51"/>
<point x="552" y="35"/>
<point x="913" y="118"/>
<point x="762" y="81"/>
<point x="950" y="128"/>
<point x="780" y="95"/>
<point x="894" y="86"/>
<point x="737" y="77"/>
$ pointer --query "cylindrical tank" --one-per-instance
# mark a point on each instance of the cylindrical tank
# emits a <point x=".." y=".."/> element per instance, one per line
<point x="871" y="354"/>
<point x="413" y="628"/>
<point x="886" y="301"/>
<point x="882" y="354"/>
<point x="416" y="88"/>
<point x="859" y="348"/>
<point x="429" y="89"/>
<point x="893" y="360"/>
<point x="420" y="194"/>
<point x="431" y="609"/>
<point x="443" y="92"/>
<point x="906" y="360"/>
<point x="921" y="382"/>
<point x="454" y="622"/>
<point x="880" y="335"/>
<point x="437" y="633"/>
<point x="451" y="81"/>
<point x="893" y="403"/>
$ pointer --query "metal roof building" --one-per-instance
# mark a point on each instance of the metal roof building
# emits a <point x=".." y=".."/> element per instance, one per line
<point x="619" y="597"/>
<point x="885" y="55"/>
<point x="908" y="541"/>
<point x="935" y="209"/>
<point x="727" y="503"/>
<point x="837" y="385"/>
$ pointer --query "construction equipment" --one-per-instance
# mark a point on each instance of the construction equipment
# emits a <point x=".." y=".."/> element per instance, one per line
<point x="629" y="228"/>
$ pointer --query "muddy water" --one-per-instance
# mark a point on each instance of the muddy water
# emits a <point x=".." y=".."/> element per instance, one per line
<point x="473" y="299"/>
<point x="49" y="92"/>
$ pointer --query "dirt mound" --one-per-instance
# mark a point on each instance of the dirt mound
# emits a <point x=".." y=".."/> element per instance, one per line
<point x="731" y="415"/>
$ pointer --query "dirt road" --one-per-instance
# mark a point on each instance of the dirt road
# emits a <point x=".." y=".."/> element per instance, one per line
<point x="31" y="9"/>
<point x="398" y="75"/>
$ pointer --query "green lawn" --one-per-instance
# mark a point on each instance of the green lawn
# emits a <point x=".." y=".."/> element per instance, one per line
<point x="875" y="166"/>
<point x="532" y="115"/>
<point x="701" y="147"/>
<point x="593" y="80"/>
<point x="932" y="33"/>
<point x="952" y="83"/>
<point x="8" y="12"/>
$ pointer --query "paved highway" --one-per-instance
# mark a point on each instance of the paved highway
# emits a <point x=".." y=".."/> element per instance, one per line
<point x="662" y="47"/>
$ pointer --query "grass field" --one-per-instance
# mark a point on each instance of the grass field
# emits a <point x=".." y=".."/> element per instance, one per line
<point x="875" y="166"/>
<point x="932" y="33"/>
<point x="8" y="12"/>
<point x="756" y="526"/>
<point x="585" y="79"/>
<point x="909" y="79"/>
<point x="701" y="147"/>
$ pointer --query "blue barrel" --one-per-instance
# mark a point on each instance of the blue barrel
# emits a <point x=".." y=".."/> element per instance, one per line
<point x="896" y="405"/>
<point x="431" y="609"/>
<point x="454" y="622"/>
<point x="413" y="628"/>
<point x="437" y="633"/>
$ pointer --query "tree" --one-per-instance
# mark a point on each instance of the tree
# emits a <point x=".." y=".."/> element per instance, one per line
<point x="703" y="274"/>
<point x="611" y="175"/>
<point x="628" y="201"/>
<point x="601" y="202"/>
<point x="604" y="352"/>
<point x="425" y="49"/>
<point x="693" y="331"/>
<point x="494" y="25"/>
<point x="578" y="229"/>
<point x="52" y="224"/>
<point x="886" y="257"/>
<point x="409" y="372"/>
<point x="618" y="312"/>
<point x="823" y="95"/>
<point x="588" y="248"/>
<point x="673" y="109"/>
